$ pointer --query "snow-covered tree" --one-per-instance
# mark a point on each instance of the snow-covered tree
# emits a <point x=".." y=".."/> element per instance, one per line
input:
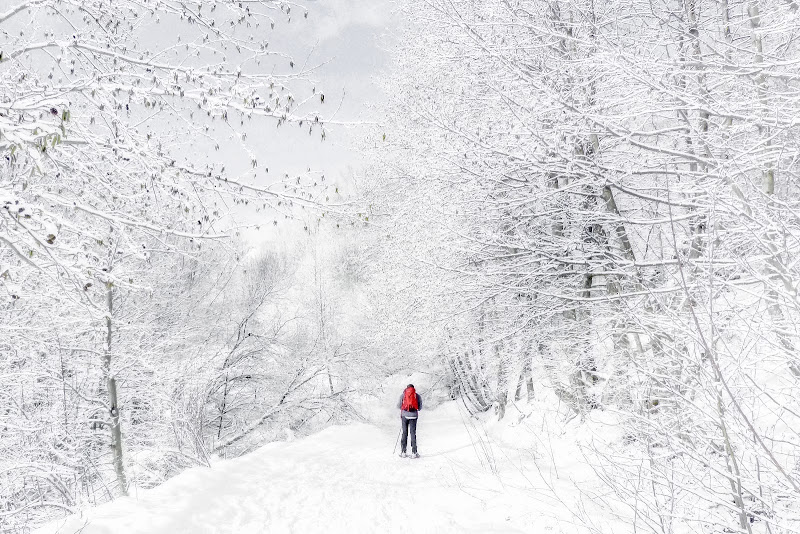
<point x="610" y="189"/>
<point x="107" y="203"/>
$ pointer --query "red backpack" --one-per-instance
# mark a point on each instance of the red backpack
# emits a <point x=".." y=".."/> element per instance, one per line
<point x="410" y="400"/>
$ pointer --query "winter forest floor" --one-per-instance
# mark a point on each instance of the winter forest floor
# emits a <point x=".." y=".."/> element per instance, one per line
<point x="346" y="479"/>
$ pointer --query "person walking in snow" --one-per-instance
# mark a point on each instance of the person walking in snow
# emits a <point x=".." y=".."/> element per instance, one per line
<point x="410" y="404"/>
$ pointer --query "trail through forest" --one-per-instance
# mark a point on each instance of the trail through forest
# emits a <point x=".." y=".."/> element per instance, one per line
<point x="346" y="479"/>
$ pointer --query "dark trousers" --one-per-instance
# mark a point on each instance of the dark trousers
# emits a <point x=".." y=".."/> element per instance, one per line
<point x="409" y="424"/>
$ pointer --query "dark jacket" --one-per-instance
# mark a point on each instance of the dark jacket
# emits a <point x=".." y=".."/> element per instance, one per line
<point x="406" y="413"/>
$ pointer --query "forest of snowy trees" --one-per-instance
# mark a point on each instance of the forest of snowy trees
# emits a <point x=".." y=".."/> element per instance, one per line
<point x="597" y="198"/>
<point x="610" y="190"/>
<point x="139" y="334"/>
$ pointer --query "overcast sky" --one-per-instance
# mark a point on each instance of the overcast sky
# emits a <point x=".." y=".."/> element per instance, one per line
<point x="351" y="41"/>
<point x="348" y="39"/>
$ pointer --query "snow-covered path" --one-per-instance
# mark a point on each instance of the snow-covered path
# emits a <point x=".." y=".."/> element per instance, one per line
<point x="345" y="479"/>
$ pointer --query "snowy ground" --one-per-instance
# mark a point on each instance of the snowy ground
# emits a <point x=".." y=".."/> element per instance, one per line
<point x="346" y="479"/>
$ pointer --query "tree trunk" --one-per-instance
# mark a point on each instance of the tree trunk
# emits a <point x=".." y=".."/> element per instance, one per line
<point x="113" y="402"/>
<point x="502" y="383"/>
<point x="526" y="379"/>
<point x="768" y="175"/>
<point x="470" y="381"/>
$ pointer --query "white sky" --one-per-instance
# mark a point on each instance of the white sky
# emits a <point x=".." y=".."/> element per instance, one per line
<point x="347" y="38"/>
<point x="350" y="38"/>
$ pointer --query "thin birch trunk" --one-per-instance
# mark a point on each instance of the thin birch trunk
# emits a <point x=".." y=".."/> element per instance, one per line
<point x="502" y="382"/>
<point x="113" y="401"/>
<point x="768" y="177"/>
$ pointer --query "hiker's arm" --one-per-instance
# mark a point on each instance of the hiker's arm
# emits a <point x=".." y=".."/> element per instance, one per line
<point x="400" y="402"/>
<point x="419" y="401"/>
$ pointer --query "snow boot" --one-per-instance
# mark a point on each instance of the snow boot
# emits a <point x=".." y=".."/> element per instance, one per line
<point x="403" y="454"/>
<point x="415" y="455"/>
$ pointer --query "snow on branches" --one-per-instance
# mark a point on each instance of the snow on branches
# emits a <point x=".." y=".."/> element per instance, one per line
<point x="613" y="187"/>
<point x="112" y="118"/>
<point x="99" y="104"/>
